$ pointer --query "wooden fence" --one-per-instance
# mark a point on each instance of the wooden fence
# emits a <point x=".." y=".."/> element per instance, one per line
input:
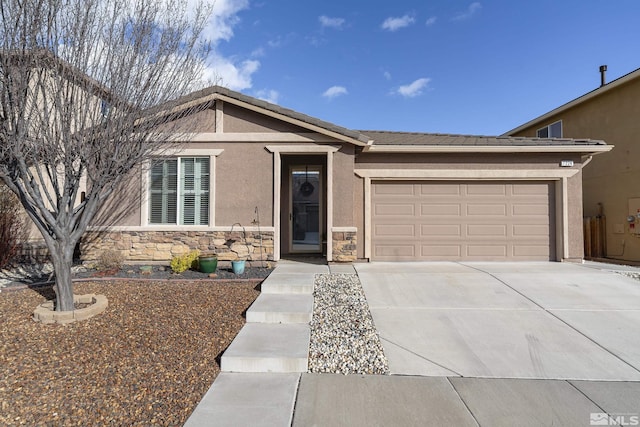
<point x="595" y="237"/>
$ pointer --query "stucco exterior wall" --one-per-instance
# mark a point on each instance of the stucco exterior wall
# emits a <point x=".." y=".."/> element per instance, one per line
<point x="202" y="121"/>
<point x="574" y="194"/>
<point x="243" y="181"/>
<point x="237" y="119"/>
<point x="612" y="178"/>
<point x="343" y="206"/>
<point x="358" y="212"/>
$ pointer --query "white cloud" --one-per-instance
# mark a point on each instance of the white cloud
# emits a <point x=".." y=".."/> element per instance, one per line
<point x="224" y="17"/>
<point x="268" y="95"/>
<point x="413" y="89"/>
<point x="258" y="53"/>
<point x="394" y="24"/>
<point x="273" y="43"/>
<point x="334" y="91"/>
<point x="326" y="21"/>
<point x="229" y="73"/>
<point x="316" y="41"/>
<point x="387" y="75"/>
<point x="471" y="10"/>
<point x="432" y="20"/>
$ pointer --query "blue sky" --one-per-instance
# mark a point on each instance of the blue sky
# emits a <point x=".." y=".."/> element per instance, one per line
<point x="423" y="66"/>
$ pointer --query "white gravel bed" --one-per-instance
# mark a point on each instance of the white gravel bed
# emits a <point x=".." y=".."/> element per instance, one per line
<point x="632" y="274"/>
<point x="344" y="339"/>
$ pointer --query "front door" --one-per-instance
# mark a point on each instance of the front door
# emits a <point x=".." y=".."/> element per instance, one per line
<point x="305" y="209"/>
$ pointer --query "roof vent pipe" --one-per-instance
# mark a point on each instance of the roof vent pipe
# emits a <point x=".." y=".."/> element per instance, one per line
<point x="603" y="75"/>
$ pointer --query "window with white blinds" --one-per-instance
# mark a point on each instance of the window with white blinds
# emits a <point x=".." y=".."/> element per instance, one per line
<point x="179" y="191"/>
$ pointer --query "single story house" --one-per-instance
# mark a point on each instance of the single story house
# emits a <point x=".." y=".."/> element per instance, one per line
<point x="250" y="179"/>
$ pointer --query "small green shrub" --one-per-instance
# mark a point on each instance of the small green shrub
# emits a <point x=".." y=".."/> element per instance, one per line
<point x="110" y="260"/>
<point x="181" y="263"/>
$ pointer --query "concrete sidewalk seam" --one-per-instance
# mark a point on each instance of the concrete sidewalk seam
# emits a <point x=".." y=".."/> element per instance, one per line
<point x="462" y="400"/>
<point x="295" y="400"/>
<point x="587" y="397"/>
<point x="419" y="356"/>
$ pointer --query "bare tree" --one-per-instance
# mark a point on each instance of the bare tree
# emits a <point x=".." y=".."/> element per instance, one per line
<point x="85" y="86"/>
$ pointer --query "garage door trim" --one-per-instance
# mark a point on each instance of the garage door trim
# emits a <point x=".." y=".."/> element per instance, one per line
<point x="560" y="177"/>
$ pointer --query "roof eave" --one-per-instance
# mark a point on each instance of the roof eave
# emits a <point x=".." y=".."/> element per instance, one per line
<point x="582" y="149"/>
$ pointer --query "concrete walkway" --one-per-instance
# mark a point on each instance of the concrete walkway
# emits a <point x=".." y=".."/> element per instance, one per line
<point x="476" y="344"/>
<point x="261" y="368"/>
<point x="358" y="400"/>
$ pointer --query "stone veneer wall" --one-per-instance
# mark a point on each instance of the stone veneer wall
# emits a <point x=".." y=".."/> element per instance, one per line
<point x="163" y="245"/>
<point x="344" y="246"/>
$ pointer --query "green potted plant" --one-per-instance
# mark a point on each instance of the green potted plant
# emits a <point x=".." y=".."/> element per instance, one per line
<point x="208" y="263"/>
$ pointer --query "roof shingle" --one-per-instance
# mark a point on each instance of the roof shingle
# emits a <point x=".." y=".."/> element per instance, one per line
<point x="440" y="139"/>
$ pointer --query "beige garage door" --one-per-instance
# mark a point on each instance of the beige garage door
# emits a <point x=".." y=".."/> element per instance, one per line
<point x="429" y="220"/>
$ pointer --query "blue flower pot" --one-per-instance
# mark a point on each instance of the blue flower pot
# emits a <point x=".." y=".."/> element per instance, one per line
<point x="238" y="266"/>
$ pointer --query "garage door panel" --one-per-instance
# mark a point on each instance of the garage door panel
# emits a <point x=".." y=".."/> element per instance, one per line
<point x="486" y="189"/>
<point x="396" y="230"/>
<point x="486" y="251"/>
<point x="462" y="220"/>
<point x="440" y="209"/>
<point x="526" y="251"/>
<point x="395" y="190"/>
<point x="440" y="230"/>
<point x="438" y="190"/>
<point x="440" y="251"/>
<point x="395" y="209"/>
<point x="530" y="189"/>
<point x="531" y="230"/>
<point x="531" y="209"/>
<point x="486" y="230"/>
<point x="485" y="210"/>
<point x="395" y="251"/>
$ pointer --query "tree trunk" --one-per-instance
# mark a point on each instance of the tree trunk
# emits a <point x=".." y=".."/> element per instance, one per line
<point x="62" y="258"/>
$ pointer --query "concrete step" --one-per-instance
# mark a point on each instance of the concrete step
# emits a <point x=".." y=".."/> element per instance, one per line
<point x="247" y="400"/>
<point x="281" y="308"/>
<point x="288" y="266"/>
<point x="288" y="283"/>
<point x="342" y="268"/>
<point x="268" y="347"/>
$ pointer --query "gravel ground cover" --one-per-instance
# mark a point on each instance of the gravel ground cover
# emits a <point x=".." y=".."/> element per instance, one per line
<point x="147" y="360"/>
<point x="632" y="274"/>
<point x="22" y="275"/>
<point x="344" y="339"/>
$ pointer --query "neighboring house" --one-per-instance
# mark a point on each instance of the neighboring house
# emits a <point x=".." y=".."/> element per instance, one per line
<point x="254" y="179"/>
<point x="611" y="183"/>
<point x="48" y="85"/>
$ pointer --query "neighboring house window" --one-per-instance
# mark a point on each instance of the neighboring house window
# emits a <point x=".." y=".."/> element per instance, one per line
<point x="179" y="191"/>
<point x="105" y="107"/>
<point x="554" y="130"/>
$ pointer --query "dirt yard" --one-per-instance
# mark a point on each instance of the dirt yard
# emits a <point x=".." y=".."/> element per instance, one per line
<point x="147" y="360"/>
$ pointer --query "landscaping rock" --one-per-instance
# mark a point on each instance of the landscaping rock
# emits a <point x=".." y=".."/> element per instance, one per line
<point x="147" y="360"/>
<point x="344" y="339"/>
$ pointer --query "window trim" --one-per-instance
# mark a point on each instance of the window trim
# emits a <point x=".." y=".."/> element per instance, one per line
<point x="548" y="128"/>
<point x="189" y="152"/>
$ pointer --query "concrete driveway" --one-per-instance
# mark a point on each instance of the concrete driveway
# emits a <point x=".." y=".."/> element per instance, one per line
<point x="505" y="320"/>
